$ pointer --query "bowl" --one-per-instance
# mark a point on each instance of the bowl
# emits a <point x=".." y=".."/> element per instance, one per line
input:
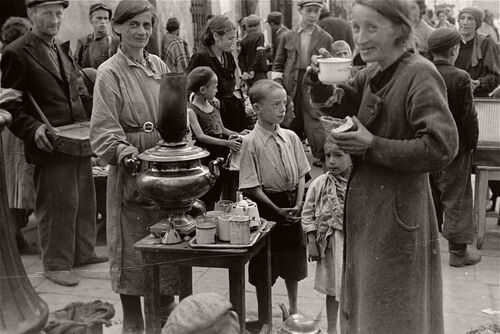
<point x="334" y="70"/>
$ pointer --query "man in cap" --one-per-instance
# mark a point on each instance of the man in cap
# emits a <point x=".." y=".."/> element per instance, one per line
<point x="94" y="49"/>
<point x="278" y="29"/>
<point x="451" y="188"/>
<point x="175" y="50"/>
<point x="251" y="59"/>
<point x="35" y="67"/>
<point x="292" y="59"/>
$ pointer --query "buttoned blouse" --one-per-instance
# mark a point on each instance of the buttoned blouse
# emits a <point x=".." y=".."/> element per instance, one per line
<point x="274" y="160"/>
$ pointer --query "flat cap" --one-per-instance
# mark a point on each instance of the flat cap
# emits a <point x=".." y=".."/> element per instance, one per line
<point x="102" y="6"/>
<point x="275" y="17"/>
<point x="443" y="38"/>
<point x="33" y="3"/>
<point x="252" y="20"/>
<point x="306" y="3"/>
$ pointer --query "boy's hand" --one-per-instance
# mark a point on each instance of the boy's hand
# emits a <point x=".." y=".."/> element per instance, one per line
<point x="245" y="132"/>
<point x="290" y="215"/>
<point x="312" y="251"/>
<point x="234" y="144"/>
<point x="323" y="53"/>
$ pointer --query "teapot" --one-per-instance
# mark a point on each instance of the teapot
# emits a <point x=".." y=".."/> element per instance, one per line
<point x="248" y="208"/>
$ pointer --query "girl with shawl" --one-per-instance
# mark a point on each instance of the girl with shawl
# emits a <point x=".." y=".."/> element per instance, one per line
<point x="322" y="221"/>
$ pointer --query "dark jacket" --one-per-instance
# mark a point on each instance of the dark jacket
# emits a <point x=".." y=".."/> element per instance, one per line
<point x="92" y="53"/>
<point x="287" y="56"/>
<point x="461" y="103"/>
<point x="339" y="29"/>
<point x="251" y="57"/>
<point x="276" y="39"/>
<point x="26" y="68"/>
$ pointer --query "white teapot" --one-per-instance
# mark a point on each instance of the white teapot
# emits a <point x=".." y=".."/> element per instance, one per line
<point x="248" y="208"/>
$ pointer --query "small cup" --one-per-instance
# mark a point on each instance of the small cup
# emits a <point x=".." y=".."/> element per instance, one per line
<point x="223" y="227"/>
<point x="205" y="233"/>
<point x="239" y="230"/>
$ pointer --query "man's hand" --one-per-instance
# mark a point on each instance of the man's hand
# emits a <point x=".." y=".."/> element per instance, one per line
<point x="354" y="142"/>
<point x="312" y="250"/>
<point x="41" y="140"/>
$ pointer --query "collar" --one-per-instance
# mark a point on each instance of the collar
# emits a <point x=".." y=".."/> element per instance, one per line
<point x="278" y="31"/>
<point x="94" y="38"/>
<point x="148" y="68"/>
<point x="266" y="134"/>
<point x="300" y="28"/>
<point x="441" y="62"/>
<point x="210" y="52"/>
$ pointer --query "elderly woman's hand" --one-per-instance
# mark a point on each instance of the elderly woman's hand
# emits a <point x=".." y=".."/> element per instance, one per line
<point x="323" y="53"/>
<point x="354" y="142"/>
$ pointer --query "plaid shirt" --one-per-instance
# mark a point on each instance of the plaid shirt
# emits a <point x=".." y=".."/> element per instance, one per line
<point x="175" y="53"/>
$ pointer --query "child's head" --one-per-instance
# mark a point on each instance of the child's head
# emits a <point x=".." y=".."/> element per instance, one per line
<point x="340" y="49"/>
<point x="336" y="160"/>
<point x="444" y="44"/>
<point x="268" y="100"/>
<point x="203" y="81"/>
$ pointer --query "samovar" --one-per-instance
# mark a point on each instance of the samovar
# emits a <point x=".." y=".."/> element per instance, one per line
<point x="175" y="176"/>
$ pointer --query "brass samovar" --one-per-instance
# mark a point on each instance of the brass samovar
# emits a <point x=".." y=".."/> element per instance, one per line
<point x="175" y="176"/>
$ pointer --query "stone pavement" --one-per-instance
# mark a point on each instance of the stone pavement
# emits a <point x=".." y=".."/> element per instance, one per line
<point x="467" y="291"/>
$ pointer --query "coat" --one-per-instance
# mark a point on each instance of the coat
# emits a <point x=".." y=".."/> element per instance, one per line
<point x="392" y="272"/>
<point x="118" y="105"/>
<point x="56" y="93"/>
<point x="286" y="61"/>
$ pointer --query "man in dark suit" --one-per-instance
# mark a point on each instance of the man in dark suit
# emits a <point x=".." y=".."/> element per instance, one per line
<point x="275" y="20"/>
<point x="65" y="198"/>
<point x="452" y="189"/>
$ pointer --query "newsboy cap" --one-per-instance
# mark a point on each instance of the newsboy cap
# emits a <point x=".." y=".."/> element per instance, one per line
<point x="275" y="17"/>
<point x="443" y="38"/>
<point x="98" y="6"/>
<point x="474" y="11"/>
<point x="306" y="3"/>
<point x="33" y="3"/>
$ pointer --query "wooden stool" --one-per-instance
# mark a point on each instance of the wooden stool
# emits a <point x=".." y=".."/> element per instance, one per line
<point x="483" y="175"/>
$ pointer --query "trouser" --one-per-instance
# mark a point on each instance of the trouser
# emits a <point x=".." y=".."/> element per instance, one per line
<point x="65" y="209"/>
<point x="452" y="195"/>
<point x="307" y="119"/>
<point x="20" y="217"/>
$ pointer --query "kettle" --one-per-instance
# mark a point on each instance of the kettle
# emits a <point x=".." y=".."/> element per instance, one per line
<point x="247" y="208"/>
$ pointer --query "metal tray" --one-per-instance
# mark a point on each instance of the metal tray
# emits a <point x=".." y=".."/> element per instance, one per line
<point x="226" y="245"/>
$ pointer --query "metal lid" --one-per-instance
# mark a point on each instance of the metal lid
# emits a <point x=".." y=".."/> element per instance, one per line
<point x="173" y="152"/>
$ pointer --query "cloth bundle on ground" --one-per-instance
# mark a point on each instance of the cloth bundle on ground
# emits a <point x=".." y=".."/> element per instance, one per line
<point x="203" y="313"/>
<point x="80" y="318"/>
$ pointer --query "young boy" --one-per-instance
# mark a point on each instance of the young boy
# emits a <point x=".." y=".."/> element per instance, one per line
<point x="340" y="49"/>
<point x="272" y="173"/>
<point x="322" y="221"/>
<point x="451" y="187"/>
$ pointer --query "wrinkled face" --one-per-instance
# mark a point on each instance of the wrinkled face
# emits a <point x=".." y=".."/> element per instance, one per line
<point x="100" y="21"/>
<point x="227" y="41"/>
<point x="135" y="32"/>
<point x="47" y="19"/>
<point x="342" y="53"/>
<point x="310" y="15"/>
<point x="272" y="109"/>
<point x="466" y="24"/>
<point x="374" y="35"/>
<point x="210" y="89"/>
<point x="336" y="160"/>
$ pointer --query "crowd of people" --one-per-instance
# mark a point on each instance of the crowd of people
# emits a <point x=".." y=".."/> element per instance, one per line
<point x="371" y="221"/>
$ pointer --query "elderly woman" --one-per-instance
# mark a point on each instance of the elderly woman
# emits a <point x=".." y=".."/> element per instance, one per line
<point x="479" y="55"/>
<point x="126" y="101"/>
<point x="392" y="272"/>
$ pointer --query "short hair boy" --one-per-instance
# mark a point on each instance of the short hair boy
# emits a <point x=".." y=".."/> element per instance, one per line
<point x="272" y="173"/>
<point x="452" y="190"/>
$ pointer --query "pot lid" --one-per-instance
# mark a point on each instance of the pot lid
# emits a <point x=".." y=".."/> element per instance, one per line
<point x="173" y="152"/>
<point x="300" y="324"/>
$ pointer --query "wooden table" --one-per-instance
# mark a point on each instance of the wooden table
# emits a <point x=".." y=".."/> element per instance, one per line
<point x="185" y="257"/>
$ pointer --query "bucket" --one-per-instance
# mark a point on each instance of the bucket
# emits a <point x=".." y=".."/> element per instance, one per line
<point x="205" y="233"/>
<point x="334" y="70"/>
<point x="239" y="230"/>
<point x="223" y="227"/>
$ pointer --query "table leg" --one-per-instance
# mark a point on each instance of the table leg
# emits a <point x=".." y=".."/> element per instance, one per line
<point x="237" y="292"/>
<point x="268" y="296"/>
<point x="186" y="282"/>
<point x="480" y="207"/>
<point x="152" y="297"/>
